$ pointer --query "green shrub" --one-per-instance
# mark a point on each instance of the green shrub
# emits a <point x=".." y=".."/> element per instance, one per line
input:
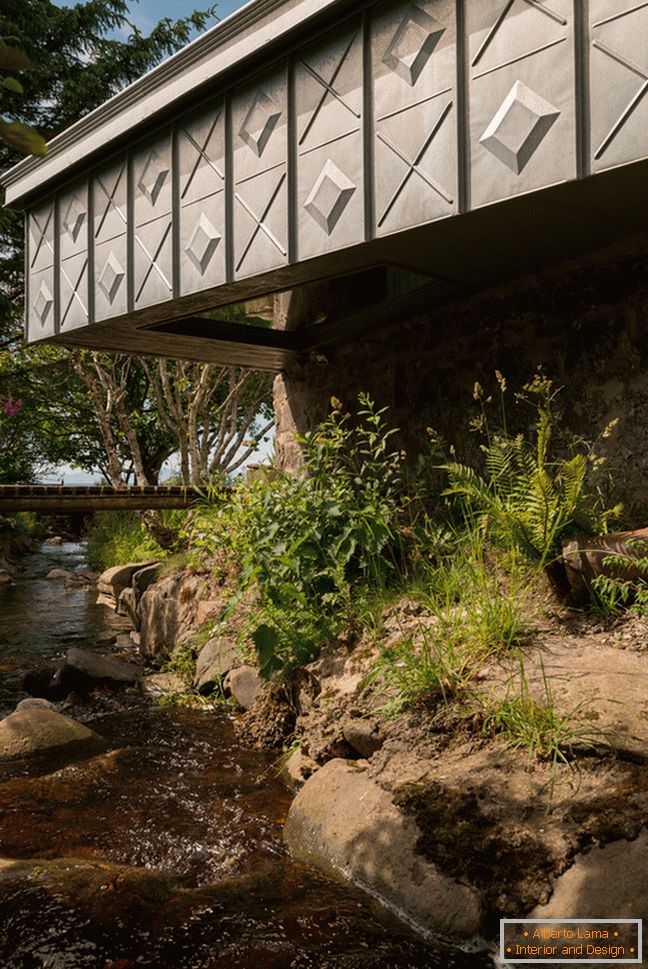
<point x="118" y="537"/>
<point x="313" y="545"/>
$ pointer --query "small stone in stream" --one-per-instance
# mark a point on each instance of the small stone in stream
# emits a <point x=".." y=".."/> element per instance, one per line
<point x="365" y="736"/>
<point x="54" y="540"/>
<point x="34" y="701"/>
<point x="161" y="684"/>
<point x="59" y="574"/>
<point x="217" y="657"/>
<point x="35" y="729"/>
<point x="7" y="567"/>
<point x="244" y="684"/>
<point x="5" y="578"/>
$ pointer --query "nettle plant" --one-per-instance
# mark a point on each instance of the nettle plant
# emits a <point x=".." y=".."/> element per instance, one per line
<point x="312" y="545"/>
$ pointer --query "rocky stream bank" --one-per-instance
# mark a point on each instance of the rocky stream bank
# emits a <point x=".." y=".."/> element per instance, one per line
<point x="137" y="833"/>
<point x="428" y="812"/>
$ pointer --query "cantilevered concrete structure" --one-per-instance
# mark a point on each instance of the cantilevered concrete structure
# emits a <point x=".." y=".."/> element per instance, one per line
<point x="455" y="141"/>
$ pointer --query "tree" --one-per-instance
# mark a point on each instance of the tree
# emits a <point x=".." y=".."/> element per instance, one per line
<point x="73" y="61"/>
<point x="121" y="415"/>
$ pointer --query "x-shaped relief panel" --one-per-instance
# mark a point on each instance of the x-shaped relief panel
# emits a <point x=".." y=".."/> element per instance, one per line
<point x="368" y="130"/>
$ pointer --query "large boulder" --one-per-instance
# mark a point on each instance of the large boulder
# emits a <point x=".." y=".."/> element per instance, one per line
<point x="611" y="879"/>
<point x="143" y="578"/>
<point x="36" y="729"/>
<point x="244" y="684"/>
<point x="119" y="577"/>
<point x="166" y="613"/>
<point x="127" y="606"/>
<point x="84" y="668"/>
<point x="217" y="657"/>
<point x="343" y="821"/>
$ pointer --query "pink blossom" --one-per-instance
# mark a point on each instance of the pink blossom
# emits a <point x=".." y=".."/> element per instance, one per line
<point x="11" y="407"/>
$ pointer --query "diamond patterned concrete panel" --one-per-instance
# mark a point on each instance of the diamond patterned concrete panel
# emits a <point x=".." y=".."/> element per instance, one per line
<point x="203" y="244"/>
<point x="74" y="218"/>
<point x="153" y="177"/>
<point x="413" y="44"/>
<point x="519" y="126"/>
<point x="260" y="122"/>
<point x="330" y="196"/>
<point x="43" y="303"/>
<point x="111" y="277"/>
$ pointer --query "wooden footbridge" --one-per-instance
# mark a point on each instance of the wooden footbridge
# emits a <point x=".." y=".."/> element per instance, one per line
<point x="63" y="499"/>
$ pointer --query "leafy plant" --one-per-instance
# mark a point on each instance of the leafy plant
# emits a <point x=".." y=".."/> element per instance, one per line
<point x="528" y="499"/>
<point x="628" y="586"/>
<point x="313" y="545"/>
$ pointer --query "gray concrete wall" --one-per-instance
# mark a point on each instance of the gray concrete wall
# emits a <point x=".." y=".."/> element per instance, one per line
<point x="584" y="321"/>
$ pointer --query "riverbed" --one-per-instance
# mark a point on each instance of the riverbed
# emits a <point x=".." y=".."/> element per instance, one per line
<point x="164" y="851"/>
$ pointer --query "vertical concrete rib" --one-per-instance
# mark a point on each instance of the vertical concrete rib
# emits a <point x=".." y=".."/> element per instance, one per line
<point x="175" y="211"/>
<point x="291" y="167"/>
<point x="368" y="128"/>
<point x="582" y="92"/>
<point x="91" y="256"/>
<point x="463" y="109"/>
<point x="130" y="232"/>
<point x="229" y="188"/>
<point x="57" y="263"/>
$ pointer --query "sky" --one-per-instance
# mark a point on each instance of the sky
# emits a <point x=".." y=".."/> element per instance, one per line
<point x="145" y="15"/>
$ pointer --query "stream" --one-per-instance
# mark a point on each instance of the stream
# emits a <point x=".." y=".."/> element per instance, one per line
<point x="164" y="851"/>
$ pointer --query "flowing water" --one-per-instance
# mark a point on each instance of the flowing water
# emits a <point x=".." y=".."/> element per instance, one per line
<point x="164" y="851"/>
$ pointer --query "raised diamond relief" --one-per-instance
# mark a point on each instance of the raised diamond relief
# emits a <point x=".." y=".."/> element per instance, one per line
<point x="330" y="196"/>
<point x="519" y="126"/>
<point x="203" y="244"/>
<point x="413" y="43"/>
<point x="74" y="218"/>
<point x="111" y="278"/>
<point x="260" y="121"/>
<point x="153" y="177"/>
<point x="43" y="302"/>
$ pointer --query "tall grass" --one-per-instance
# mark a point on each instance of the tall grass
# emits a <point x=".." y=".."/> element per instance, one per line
<point x="118" y="537"/>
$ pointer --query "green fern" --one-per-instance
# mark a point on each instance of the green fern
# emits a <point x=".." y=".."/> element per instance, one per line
<point x="526" y="500"/>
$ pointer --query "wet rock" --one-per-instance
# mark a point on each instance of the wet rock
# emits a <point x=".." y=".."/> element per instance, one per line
<point x="344" y="822"/>
<point x="609" y="879"/>
<point x="244" y="684"/>
<point x="162" y="684"/>
<point x="83" y="668"/>
<point x="5" y="577"/>
<point x="365" y="736"/>
<point x="217" y="657"/>
<point x="54" y="540"/>
<point x="36" y="729"/>
<point x="114" y="580"/>
<point x="60" y="574"/>
<point x="7" y="567"/>
<point x="88" y="573"/>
